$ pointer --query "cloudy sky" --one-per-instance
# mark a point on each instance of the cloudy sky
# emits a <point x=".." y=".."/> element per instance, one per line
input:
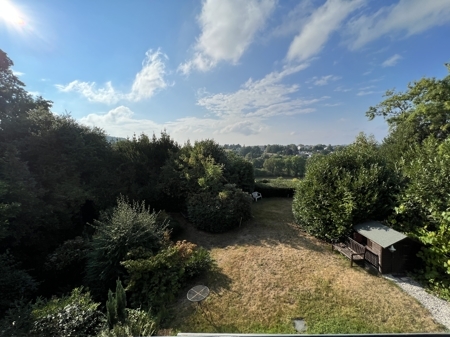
<point x="249" y="72"/>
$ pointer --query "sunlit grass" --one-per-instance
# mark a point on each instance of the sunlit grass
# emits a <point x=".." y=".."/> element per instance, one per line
<point x="268" y="273"/>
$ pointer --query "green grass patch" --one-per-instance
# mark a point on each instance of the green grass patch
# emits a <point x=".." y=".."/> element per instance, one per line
<point x="269" y="273"/>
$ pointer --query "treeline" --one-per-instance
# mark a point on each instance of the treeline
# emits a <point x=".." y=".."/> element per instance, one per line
<point x="276" y="160"/>
<point x="80" y="216"/>
<point x="405" y="181"/>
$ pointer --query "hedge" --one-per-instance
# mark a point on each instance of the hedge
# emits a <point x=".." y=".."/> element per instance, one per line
<point x="268" y="191"/>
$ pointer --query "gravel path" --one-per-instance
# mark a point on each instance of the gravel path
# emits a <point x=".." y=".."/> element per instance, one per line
<point x="439" y="309"/>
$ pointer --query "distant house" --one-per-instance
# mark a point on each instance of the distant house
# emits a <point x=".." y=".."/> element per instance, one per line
<point x="386" y="249"/>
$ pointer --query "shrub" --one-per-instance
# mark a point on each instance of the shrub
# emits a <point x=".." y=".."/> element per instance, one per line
<point x="138" y="323"/>
<point x="344" y="188"/>
<point x="155" y="281"/>
<point x="269" y="191"/>
<point x="219" y="212"/>
<point x="65" y="266"/>
<point x="18" y="320"/>
<point x="74" y="315"/>
<point x="239" y="171"/>
<point x="173" y="226"/>
<point x="15" y="283"/>
<point x="115" y="306"/>
<point x="128" y="227"/>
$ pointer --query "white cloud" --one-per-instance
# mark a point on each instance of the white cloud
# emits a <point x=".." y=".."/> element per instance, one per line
<point x="294" y="20"/>
<point x="107" y="94"/>
<point x="147" y="82"/>
<point x="325" y="79"/>
<point x="342" y="89"/>
<point x="392" y="61"/>
<point x="406" y="18"/>
<point x="242" y="112"/>
<point x="228" y="27"/>
<point x="244" y="127"/>
<point x="34" y="93"/>
<point x="120" y="122"/>
<point x="264" y="98"/>
<point x="364" y="93"/>
<point x="18" y="73"/>
<point x="316" y="31"/>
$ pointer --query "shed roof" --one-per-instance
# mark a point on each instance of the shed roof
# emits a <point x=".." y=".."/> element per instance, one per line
<point x="379" y="233"/>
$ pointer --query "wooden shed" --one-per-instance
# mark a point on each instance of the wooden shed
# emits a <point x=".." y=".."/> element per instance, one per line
<point x="384" y="248"/>
<point x="391" y="247"/>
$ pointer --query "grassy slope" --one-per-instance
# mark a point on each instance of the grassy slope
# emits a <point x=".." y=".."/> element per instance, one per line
<point x="269" y="273"/>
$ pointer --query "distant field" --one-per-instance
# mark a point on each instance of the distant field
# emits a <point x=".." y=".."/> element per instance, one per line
<point x="269" y="272"/>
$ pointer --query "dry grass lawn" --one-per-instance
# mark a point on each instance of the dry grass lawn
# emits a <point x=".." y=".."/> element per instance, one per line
<point x="269" y="272"/>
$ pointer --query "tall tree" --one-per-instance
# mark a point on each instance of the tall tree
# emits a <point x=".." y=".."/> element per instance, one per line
<point x="421" y="111"/>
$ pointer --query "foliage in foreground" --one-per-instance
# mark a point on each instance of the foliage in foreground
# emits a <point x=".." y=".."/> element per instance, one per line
<point x="122" y="321"/>
<point x="155" y="280"/>
<point x="129" y="226"/>
<point x="74" y="315"/>
<point x="138" y="323"/>
<point x="15" y="283"/>
<point x="419" y="144"/>
<point x="424" y="210"/>
<point x="343" y="189"/>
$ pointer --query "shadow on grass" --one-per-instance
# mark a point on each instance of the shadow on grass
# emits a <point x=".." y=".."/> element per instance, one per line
<point x="272" y="225"/>
<point x="190" y="316"/>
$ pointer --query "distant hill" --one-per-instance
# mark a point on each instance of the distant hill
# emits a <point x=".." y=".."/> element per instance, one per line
<point x="112" y="139"/>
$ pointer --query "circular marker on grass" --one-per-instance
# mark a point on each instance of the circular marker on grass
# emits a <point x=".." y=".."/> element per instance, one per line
<point x="198" y="293"/>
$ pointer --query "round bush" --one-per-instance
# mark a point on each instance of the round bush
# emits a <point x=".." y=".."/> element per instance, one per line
<point x="343" y="189"/>
<point x="219" y="212"/>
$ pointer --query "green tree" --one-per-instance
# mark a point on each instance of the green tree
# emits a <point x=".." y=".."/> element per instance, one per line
<point x="279" y="166"/>
<point x="128" y="227"/>
<point x="139" y="163"/>
<point x="344" y="188"/>
<point x="270" y="165"/>
<point x="15" y="102"/>
<point x="424" y="207"/>
<point x="421" y="111"/>
<point x="239" y="172"/>
<point x="116" y="305"/>
<point x="15" y="283"/>
<point x="298" y="166"/>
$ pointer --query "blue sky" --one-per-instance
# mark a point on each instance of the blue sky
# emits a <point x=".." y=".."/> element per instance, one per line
<point x="249" y="72"/>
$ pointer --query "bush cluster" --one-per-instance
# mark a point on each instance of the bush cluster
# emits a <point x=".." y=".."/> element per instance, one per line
<point x="343" y="189"/>
<point x="74" y="315"/>
<point x="155" y="280"/>
<point x="217" y="212"/>
<point x="129" y="226"/>
<point x="268" y="191"/>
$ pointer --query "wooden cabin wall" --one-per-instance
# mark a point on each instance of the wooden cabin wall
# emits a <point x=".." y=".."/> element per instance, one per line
<point x="387" y="261"/>
<point x="397" y="262"/>
<point x="376" y="249"/>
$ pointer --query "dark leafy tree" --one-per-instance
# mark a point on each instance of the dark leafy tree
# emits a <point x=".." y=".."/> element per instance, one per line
<point x="129" y="226"/>
<point x="344" y="188"/>
<point x="421" y="111"/>
<point x="15" y="283"/>
<point x="239" y="172"/>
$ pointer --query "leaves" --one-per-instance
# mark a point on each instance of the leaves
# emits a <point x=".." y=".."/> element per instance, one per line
<point x="344" y="188"/>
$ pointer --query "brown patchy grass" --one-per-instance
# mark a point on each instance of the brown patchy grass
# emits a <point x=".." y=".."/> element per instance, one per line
<point x="269" y="272"/>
